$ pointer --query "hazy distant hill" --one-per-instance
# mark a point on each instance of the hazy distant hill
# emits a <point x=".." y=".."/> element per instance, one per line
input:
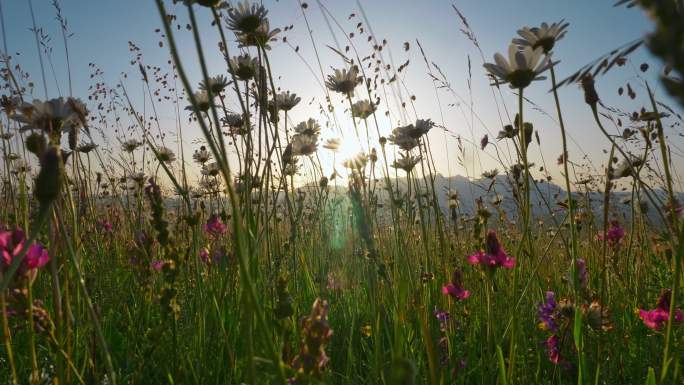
<point x="546" y="197"/>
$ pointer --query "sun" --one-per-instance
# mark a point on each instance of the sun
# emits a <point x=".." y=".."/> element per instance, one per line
<point x="349" y="146"/>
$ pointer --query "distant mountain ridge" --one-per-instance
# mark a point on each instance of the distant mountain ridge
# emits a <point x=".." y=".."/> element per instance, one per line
<point x="546" y="197"/>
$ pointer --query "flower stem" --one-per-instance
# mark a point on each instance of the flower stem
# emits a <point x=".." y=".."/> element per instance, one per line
<point x="571" y="204"/>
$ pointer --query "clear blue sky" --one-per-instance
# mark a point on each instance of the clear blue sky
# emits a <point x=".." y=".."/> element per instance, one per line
<point x="102" y="29"/>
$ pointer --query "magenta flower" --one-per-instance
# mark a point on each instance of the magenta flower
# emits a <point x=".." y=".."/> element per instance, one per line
<point x="214" y="226"/>
<point x="494" y="256"/>
<point x="204" y="255"/>
<point x="659" y="316"/>
<point x="455" y="287"/>
<point x="552" y="349"/>
<point x="158" y="265"/>
<point x="106" y="226"/>
<point x="614" y="235"/>
<point x="11" y="244"/>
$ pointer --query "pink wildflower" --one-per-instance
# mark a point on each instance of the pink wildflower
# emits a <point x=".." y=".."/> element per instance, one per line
<point x="214" y="226"/>
<point x="613" y="235"/>
<point x="494" y="256"/>
<point x="158" y="265"/>
<point x="11" y="244"/>
<point x="455" y="287"/>
<point x="204" y="255"/>
<point x="659" y="316"/>
<point x="552" y="349"/>
<point x="106" y="226"/>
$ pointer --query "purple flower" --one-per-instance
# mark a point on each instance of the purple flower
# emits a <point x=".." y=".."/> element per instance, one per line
<point x="442" y="316"/>
<point x="443" y="319"/>
<point x="582" y="272"/>
<point x="613" y="236"/>
<point x="214" y="226"/>
<point x="547" y="312"/>
<point x="494" y="256"/>
<point x="659" y="316"/>
<point x="455" y="287"/>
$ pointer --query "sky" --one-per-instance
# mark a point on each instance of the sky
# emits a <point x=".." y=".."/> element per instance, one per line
<point x="101" y="31"/>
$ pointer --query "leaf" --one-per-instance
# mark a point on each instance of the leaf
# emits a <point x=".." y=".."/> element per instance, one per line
<point x="344" y="57"/>
<point x="651" y="378"/>
<point x="577" y="335"/>
<point x="502" y="366"/>
<point x="626" y="3"/>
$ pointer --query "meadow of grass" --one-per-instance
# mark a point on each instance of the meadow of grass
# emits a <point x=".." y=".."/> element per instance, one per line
<point x="247" y="264"/>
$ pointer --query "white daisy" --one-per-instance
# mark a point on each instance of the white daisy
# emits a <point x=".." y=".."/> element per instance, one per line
<point x="523" y="66"/>
<point x="53" y="116"/>
<point x="211" y="169"/>
<point x="259" y="37"/>
<point x="130" y="145"/>
<point x="21" y="167"/>
<point x="237" y="124"/>
<point x="246" y="17"/>
<point x="407" y="162"/>
<point x="309" y="127"/>
<point x="303" y="145"/>
<point x="357" y="162"/>
<point x="166" y="155"/>
<point x="624" y="169"/>
<point x="332" y="144"/>
<point x="344" y="81"/>
<point x="402" y="138"/>
<point x="216" y="84"/>
<point x="202" y="100"/>
<point x="201" y="156"/>
<point x="287" y="101"/>
<point x="86" y="147"/>
<point x="138" y="177"/>
<point x="544" y="36"/>
<point x="291" y="168"/>
<point x="362" y="109"/>
<point x="243" y="67"/>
